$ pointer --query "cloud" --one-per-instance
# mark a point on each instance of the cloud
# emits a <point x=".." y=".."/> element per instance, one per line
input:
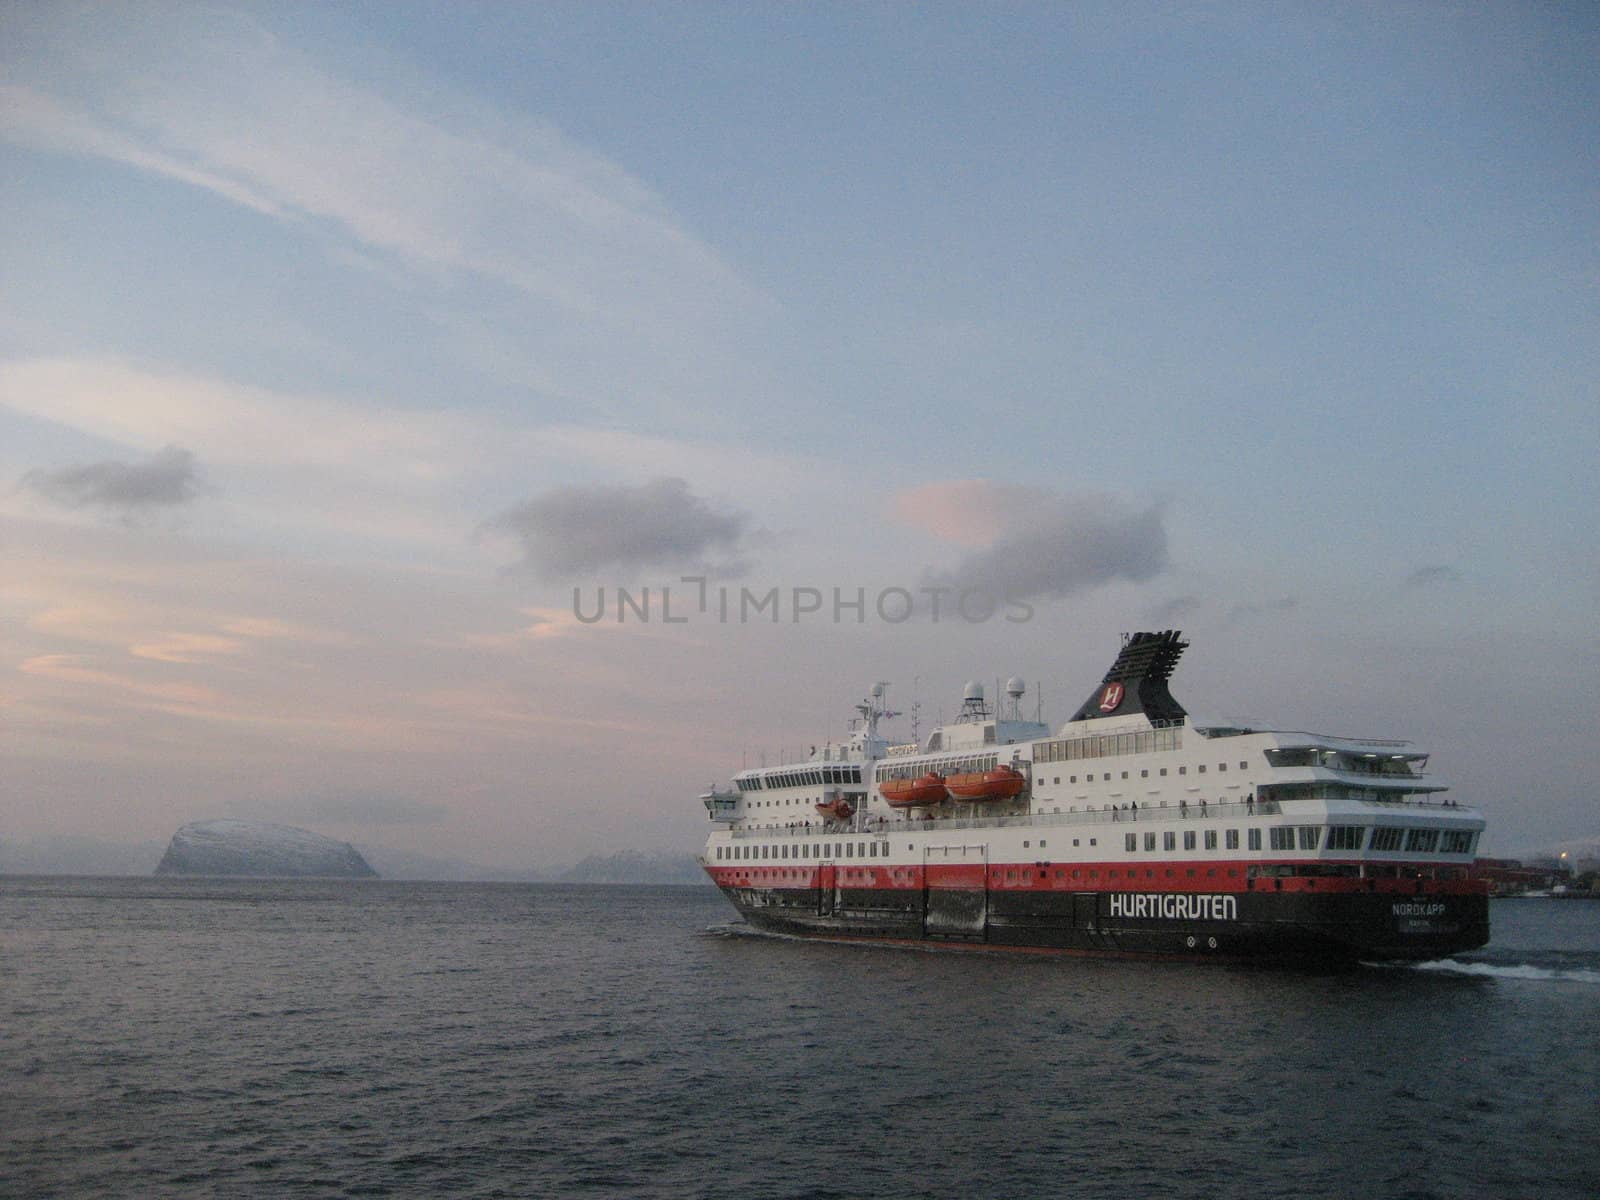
<point x="186" y="648"/>
<point x="327" y="466"/>
<point x="1055" y="545"/>
<point x="968" y="512"/>
<point x="1427" y="576"/>
<point x="75" y="669"/>
<point x="374" y="169"/>
<point x="231" y="422"/>
<point x="577" y="531"/>
<point x="165" y="480"/>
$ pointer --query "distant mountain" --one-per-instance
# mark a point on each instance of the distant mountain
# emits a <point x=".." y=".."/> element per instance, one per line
<point x="257" y="848"/>
<point x="630" y="866"/>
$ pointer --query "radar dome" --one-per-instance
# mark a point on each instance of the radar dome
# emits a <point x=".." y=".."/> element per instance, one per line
<point x="1015" y="687"/>
<point x="974" y="691"/>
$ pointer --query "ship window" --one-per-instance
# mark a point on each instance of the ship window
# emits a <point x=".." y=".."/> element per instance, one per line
<point x="1058" y="778"/>
<point x="1211" y="839"/>
<point x="1130" y="841"/>
<point x="1149" y="841"/>
<point x="1074" y="779"/>
<point x="1124" y="774"/>
<point x="1201" y="768"/>
<point x="1026" y="844"/>
<point x="1255" y="839"/>
<point x="1188" y="839"/>
<point x="1094" y="841"/>
<point x="1282" y="837"/>
<point x="1422" y="839"/>
<point x="1457" y="841"/>
<point x="1244" y="766"/>
<point x="1310" y="837"/>
<point x="1222" y="766"/>
<point x="1232" y="840"/>
<point x="1345" y="837"/>
<point x="1108" y="776"/>
<point x="1183" y="770"/>
<point x="1163" y="771"/>
<point x="1041" y="843"/>
<point x="1169" y="841"/>
<point x="1144" y="774"/>
<point x="1386" y="837"/>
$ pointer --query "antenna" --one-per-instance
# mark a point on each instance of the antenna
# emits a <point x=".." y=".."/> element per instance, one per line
<point x="916" y="711"/>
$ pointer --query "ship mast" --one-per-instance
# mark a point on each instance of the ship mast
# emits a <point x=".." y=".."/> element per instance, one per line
<point x="873" y="709"/>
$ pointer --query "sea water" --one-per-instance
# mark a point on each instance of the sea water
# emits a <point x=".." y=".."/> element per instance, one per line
<point x="172" y="1037"/>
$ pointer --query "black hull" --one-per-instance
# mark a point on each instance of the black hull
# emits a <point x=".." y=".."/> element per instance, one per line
<point x="1349" y="927"/>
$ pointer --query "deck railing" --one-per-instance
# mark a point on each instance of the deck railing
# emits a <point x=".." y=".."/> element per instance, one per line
<point x="1183" y="811"/>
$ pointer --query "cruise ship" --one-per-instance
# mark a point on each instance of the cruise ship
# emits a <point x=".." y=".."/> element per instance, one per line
<point x="1132" y="830"/>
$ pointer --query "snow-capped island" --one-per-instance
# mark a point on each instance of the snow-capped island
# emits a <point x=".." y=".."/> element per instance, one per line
<point x="258" y="848"/>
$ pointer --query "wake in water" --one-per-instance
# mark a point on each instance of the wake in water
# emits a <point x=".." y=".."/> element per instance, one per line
<point x="1492" y="970"/>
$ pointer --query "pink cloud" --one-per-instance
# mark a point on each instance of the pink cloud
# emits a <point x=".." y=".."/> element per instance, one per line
<point x="968" y="512"/>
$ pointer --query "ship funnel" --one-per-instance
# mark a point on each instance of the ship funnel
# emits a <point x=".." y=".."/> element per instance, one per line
<point x="1137" y="681"/>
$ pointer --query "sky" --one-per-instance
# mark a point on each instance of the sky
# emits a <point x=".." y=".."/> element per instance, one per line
<point x="354" y="356"/>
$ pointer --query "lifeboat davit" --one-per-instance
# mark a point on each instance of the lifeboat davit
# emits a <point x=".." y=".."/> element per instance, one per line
<point x="1000" y="783"/>
<point x="836" y="810"/>
<point x="913" y="793"/>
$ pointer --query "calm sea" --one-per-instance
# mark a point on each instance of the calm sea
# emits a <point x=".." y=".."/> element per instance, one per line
<point x="167" y="1037"/>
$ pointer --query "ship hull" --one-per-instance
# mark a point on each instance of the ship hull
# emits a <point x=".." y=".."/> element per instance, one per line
<point x="1350" y="927"/>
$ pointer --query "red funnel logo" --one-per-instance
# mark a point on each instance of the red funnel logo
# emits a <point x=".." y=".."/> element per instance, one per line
<point x="1111" y="697"/>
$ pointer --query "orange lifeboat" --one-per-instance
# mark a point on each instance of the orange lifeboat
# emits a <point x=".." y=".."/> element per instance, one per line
<point x="913" y="793"/>
<point x="836" y="810"/>
<point x="1000" y="783"/>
